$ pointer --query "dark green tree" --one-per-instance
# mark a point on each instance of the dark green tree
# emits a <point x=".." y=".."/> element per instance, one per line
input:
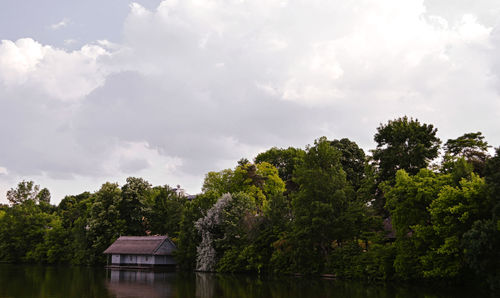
<point x="165" y="212"/>
<point x="74" y="212"/>
<point x="472" y="147"/>
<point x="353" y="160"/>
<point x="404" y="144"/>
<point x="189" y="238"/>
<point x="135" y="193"/>
<point x="482" y="255"/>
<point x="43" y="196"/>
<point x="22" y="228"/>
<point x="105" y="223"/>
<point x="26" y="190"/>
<point x="318" y="207"/>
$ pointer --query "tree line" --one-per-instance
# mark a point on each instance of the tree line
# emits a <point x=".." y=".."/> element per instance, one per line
<point x="410" y="209"/>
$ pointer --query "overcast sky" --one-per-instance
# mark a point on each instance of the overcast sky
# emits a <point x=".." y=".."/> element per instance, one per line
<point x="94" y="91"/>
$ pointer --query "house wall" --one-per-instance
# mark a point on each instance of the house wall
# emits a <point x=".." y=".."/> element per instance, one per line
<point x="166" y="248"/>
<point x="132" y="259"/>
<point x="165" y="260"/>
<point x="115" y="259"/>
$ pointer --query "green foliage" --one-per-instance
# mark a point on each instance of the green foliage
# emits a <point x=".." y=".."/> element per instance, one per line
<point x="224" y="231"/>
<point x="319" y="206"/>
<point x="470" y="146"/>
<point x="134" y="195"/>
<point x="285" y="161"/>
<point x="408" y="202"/>
<point x="353" y="161"/>
<point x="43" y="196"/>
<point x="189" y="238"/>
<point x="452" y="213"/>
<point x="492" y="177"/>
<point x="22" y="227"/>
<point x="165" y="212"/>
<point x="105" y="223"/>
<point x="481" y="245"/>
<point x="431" y="214"/>
<point x="404" y="144"/>
<point x="258" y="180"/>
<point x="26" y="190"/>
<point x="353" y="262"/>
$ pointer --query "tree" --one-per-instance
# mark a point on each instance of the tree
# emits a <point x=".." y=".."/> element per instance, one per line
<point x="43" y="196"/>
<point x="408" y="202"/>
<point x="105" y="223"/>
<point x="472" y="147"/>
<point x="134" y="195"/>
<point x="492" y="177"/>
<point x="165" y="211"/>
<point x="285" y="160"/>
<point x="452" y="213"/>
<point x="404" y="144"/>
<point x="219" y="183"/>
<point x="258" y="180"/>
<point x="223" y="231"/>
<point x="353" y="160"/>
<point x="318" y="207"/>
<point x="480" y="246"/>
<point x="26" y="190"/>
<point x="189" y="238"/>
<point x="22" y="228"/>
<point x="74" y="212"/>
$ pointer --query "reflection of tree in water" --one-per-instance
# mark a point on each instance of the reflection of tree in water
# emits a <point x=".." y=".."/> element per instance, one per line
<point x="51" y="281"/>
<point x="205" y="285"/>
<point x="42" y="281"/>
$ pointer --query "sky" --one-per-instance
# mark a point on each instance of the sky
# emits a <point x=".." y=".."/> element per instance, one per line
<point x="94" y="91"/>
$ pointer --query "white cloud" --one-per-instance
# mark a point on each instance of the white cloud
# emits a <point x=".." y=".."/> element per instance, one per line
<point x="70" y="41"/>
<point x="63" y="23"/>
<point x="58" y="73"/>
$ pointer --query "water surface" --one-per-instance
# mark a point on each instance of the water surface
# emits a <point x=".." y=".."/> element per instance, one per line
<point x="65" y="281"/>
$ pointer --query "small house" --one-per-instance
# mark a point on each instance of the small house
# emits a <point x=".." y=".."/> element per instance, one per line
<point x="147" y="251"/>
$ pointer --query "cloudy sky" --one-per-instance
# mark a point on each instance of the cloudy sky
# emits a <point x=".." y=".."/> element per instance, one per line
<point x="94" y="91"/>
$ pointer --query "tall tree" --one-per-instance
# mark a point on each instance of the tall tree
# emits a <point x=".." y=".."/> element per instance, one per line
<point x="261" y="181"/>
<point x="134" y="194"/>
<point x="26" y="190"/>
<point x="404" y="144"/>
<point x="165" y="211"/>
<point x="408" y="202"/>
<point x="43" y="196"/>
<point x="472" y="147"/>
<point x="285" y="160"/>
<point x="105" y="224"/>
<point x="353" y="160"/>
<point x="319" y="206"/>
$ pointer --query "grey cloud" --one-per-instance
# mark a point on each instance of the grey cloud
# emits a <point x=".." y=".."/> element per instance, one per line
<point x="207" y="86"/>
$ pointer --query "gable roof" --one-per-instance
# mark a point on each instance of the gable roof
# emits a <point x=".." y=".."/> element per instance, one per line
<point x="139" y="245"/>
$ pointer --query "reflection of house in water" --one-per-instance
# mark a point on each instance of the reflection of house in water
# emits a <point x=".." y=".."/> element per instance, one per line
<point x="141" y="251"/>
<point x="128" y="283"/>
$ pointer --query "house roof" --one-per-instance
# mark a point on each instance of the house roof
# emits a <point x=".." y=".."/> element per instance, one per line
<point x="138" y="245"/>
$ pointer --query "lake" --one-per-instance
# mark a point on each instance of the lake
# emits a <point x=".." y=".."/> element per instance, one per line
<point x="65" y="281"/>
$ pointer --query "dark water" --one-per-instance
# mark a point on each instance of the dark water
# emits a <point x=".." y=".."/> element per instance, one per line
<point x="43" y="281"/>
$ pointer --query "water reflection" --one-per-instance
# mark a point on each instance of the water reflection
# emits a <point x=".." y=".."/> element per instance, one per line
<point x="129" y="283"/>
<point x="63" y="281"/>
